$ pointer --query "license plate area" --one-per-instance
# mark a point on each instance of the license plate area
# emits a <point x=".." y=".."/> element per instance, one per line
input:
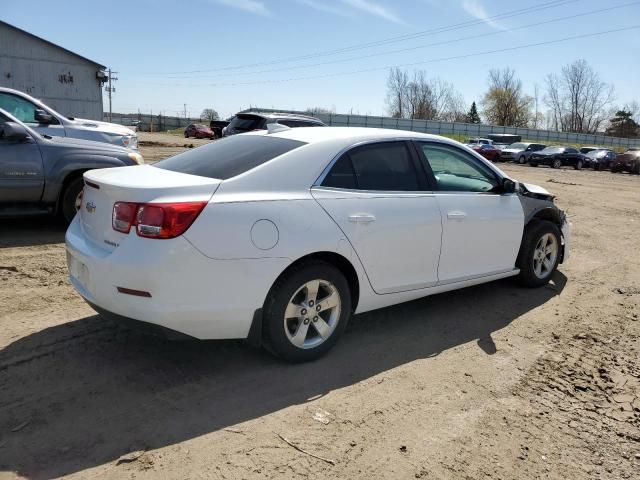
<point x="78" y="270"/>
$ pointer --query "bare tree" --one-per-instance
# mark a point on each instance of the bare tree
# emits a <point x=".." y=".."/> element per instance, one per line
<point x="578" y="98"/>
<point x="505" y="103"/>
<point x="397" y="84"/>
<point x="209" y="114"/>
<point x="423" y="98"/>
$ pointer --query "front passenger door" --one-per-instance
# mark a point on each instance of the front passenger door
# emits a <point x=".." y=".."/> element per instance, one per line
<point x="481" y="227"/>
<point x="21" y="170"/>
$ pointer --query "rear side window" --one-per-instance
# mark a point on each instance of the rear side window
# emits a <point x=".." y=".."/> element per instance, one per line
<point x="247" y="123"/>
<point x="230" y="156"/>
<point x="380" y="166"/>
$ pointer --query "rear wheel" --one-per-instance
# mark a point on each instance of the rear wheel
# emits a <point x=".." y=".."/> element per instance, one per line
<point x="71" y="200"/>
<point x="557" y="163"/>
<point x="539" y="253"/>
<point x="578" y="165"/>
<point x="306" y="312"/>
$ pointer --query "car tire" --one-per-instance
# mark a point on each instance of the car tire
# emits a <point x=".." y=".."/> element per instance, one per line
<point x="578" y="165"/>
<point x="533" y="164"/>
<point x="539" y="253"/>
<point x="636" y="168"/>
<point x="291" y="294"/>
<point x="557" y="163"/>
<point x="71" y="199"/>
<point x="186" y="135"/>
<point x="522" y="160"/>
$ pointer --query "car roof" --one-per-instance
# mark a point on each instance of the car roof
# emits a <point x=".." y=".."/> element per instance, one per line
<point x="293" y="116"/>
<point x="350" y="135"/>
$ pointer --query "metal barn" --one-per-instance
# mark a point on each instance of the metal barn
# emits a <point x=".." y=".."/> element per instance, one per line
<point x="66" y="81"/>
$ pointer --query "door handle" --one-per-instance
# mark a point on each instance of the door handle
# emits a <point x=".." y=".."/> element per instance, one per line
<point x="456" y="215"/>
<point x="362" y="218"/>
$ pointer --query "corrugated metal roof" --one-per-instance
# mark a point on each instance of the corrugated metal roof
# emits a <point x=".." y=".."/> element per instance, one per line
<point x="102" y="67"/>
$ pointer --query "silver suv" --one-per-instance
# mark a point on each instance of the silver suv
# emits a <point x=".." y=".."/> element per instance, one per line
<point x="46" y="121"/>
<point x="246" y="122"/>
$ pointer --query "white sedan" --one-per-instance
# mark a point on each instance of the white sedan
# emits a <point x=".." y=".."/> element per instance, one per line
<point x="281" y="236"/>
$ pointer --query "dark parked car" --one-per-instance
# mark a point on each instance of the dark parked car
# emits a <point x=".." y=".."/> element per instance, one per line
<point x="218" y="126"/>
<point x="197" y="130"/>
<point x="628" y="161"/>
<point x="40" y="174"/>
<point x="487" y="151"/>
<point x="586" y="150"/>
<point x="520" y="152"/>
<point x="601" y="159"/>
<point x="557" y="157"/>
<point x="247" y="122"/>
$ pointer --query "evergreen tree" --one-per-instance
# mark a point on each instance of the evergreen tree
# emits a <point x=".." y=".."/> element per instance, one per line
<point x="622" y="125"/>
<point x="472" y="116"/>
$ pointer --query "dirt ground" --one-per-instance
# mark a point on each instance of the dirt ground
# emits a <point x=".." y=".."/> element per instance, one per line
<point x="493" y="381"/>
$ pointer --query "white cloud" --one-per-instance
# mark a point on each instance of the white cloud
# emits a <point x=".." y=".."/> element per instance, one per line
<point x="324" y="7"/>
<point x="374" y="9"/>
<point x="475" y="9"/>
<point x="251" y="6"/>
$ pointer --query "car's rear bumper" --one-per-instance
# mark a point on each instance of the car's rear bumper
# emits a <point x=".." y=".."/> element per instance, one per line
<point x="139" y="325"/>
<point x="188" y="292"/>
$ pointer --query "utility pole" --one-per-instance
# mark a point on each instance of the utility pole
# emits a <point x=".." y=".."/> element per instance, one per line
<point x="110" y="90"/>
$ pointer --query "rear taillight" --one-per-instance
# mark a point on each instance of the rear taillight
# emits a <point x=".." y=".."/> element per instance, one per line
<point x="124" y="216"/>
<point x="156" y="220"/>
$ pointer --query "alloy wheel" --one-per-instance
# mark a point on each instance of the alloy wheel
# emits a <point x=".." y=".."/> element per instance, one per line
<point x="312" y="314"/>
<point x="545" y="255"/>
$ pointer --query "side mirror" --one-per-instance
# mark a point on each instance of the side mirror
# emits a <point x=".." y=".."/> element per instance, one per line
<point x="14" y="131"/>
<point x="41" y="116"/>
<point x="508" y="185"/>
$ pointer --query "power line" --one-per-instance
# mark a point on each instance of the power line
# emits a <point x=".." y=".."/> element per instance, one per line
<point x="389" y="52"/>
<point x="400" y="38"/>
<point x="441" y="59"/>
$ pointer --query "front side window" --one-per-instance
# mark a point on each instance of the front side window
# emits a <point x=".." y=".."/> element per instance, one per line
<point x="20" y="108"/>
<point x="456" y="171"/>
<point x="385" y="166"/>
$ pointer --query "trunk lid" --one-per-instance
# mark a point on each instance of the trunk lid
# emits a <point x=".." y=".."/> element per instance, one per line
<point x="138" y="184"/>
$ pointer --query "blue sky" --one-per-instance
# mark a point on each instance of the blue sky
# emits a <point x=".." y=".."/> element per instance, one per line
<point x="169" y="52"/>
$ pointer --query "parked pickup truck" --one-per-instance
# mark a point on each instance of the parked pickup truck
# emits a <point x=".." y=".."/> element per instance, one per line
<point x="46" y="121"/>
<point x="217" y="126"/>
<point x="41" y="174"/>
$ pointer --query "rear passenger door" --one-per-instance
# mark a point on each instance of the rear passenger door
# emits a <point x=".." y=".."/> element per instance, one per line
<point x="379" y="197"/>
<point x="481" y="227"/>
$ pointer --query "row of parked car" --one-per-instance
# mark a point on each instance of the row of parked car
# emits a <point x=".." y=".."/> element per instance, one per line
<point x="535" y="154"/>
<point x="247" y="122"/>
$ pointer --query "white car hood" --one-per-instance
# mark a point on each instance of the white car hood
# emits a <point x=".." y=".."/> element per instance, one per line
<point x="93" y="125"/>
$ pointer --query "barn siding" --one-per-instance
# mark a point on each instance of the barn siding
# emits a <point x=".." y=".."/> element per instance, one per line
<point x="57" y="77"/>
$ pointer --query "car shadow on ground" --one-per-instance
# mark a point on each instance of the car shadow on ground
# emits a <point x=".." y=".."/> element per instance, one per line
<point x="85" y="393"/>
<point x="31" y="231"/>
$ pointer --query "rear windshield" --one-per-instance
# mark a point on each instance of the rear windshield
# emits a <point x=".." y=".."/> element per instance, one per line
<point x="247" y="123"/>
<point x="230" y="156"/>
